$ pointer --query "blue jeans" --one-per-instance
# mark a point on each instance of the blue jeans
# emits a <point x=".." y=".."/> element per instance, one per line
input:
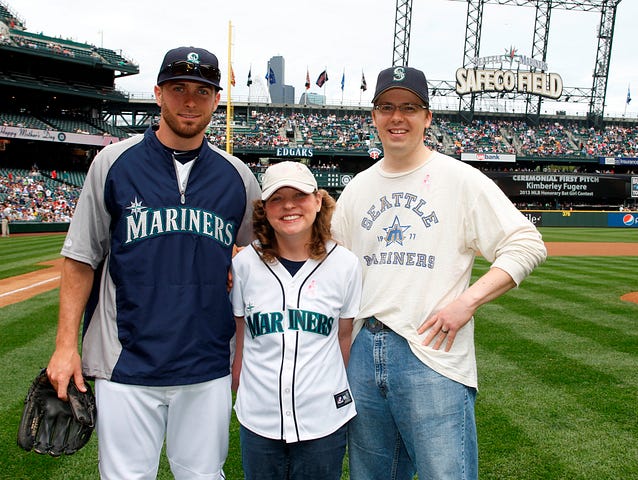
<point x="268" y="459"/>
<point x="409" y="418"/>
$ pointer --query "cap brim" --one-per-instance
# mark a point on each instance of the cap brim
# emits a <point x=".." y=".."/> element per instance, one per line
<point x="302" y="187"/>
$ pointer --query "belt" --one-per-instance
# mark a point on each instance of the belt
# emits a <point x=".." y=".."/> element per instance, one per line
<point x="375" y="326"/>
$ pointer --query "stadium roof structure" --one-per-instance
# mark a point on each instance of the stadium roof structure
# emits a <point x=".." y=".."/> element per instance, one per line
<point x="40" y="64"/>
<point x="15" y="36"/>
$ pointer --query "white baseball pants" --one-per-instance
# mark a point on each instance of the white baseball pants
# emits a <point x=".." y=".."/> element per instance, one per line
<point x="133" y="421"/>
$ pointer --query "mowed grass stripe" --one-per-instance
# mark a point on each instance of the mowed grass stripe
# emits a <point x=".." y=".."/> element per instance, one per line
<point x="592" y="272"/>
<point x="506" y="451"/>
<point x="580" y="299"/>
<point x="588" y="269"/>
<point x="593" y="388"/>
<point x="34" y="244"/>
<point x="550" y="286"/>
<point x="20" y="320"/>
<point x="24" y="359"/>
<point x="604" y="310"/>
<point x="21" y="254"/>
<point x="604" y="357"/>
<point x="586" y="234"/>
<point x="611" y="326"/>
<point x="20" y="366"/>
<point x="558" y="374"/>
<point x="527" y="430"/>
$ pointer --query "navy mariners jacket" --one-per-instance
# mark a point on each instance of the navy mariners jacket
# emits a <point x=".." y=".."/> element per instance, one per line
<point x="160" y="313"/>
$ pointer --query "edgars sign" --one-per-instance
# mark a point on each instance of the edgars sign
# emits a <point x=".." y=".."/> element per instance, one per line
<point x="509" y="78"/>
<point x="294" y="152"/>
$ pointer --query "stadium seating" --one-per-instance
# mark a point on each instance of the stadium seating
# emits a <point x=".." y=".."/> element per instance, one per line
<point x="32" y="195"/>
<point x="350" y="132"/>
<point x="7" y="17"/>
<point x="22" y="120"/>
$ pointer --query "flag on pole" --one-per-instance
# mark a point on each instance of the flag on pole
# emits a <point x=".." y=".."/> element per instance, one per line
<point x="628" y="95"/>
<point x="271" y="75"/>
<point x="232" y="76"/>
<point x="343" y="80"/>
<point x="323" y="78"/>
<point x="307" y="79"/>
<point x="364" y="85"/>
<point x="249" y="82"/>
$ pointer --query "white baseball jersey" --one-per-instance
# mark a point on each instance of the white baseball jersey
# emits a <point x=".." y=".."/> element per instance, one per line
<point x="293" y="384"/>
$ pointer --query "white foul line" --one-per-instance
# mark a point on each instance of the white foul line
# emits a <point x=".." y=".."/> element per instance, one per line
<point x="30" y="286"/>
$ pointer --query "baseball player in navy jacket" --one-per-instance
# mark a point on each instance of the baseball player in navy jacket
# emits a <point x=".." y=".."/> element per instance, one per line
<point x="147" y="259"/>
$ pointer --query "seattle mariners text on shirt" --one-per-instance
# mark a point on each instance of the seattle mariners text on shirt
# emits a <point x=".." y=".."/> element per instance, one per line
<point x="399" y="200"/>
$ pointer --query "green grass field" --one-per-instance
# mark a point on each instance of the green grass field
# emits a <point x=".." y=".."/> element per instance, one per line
<point x="557" y="359"/>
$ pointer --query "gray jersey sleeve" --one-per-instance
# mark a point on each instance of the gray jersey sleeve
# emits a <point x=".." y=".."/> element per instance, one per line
<point x="253" y="192"/>
<point x="88" y="237"/>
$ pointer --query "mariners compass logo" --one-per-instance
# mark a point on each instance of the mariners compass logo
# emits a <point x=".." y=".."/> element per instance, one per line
<point x="394" y="233"/>
<point x="136" y="207"/>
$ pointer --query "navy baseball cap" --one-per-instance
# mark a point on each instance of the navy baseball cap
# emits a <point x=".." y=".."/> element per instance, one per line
<point x="407" y="78"/>
<point x="190" y="63"/>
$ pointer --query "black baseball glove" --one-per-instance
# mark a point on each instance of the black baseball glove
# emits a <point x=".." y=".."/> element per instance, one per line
<point x="52" y="426"/>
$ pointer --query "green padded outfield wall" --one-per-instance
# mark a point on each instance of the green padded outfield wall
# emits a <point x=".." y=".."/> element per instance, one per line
<point x="560" y="218"/>
<point x="37" y="227"/>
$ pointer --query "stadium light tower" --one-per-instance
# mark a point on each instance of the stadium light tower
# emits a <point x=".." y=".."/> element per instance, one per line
<point x="596" y="98"/>
<point x="403" y="19"/>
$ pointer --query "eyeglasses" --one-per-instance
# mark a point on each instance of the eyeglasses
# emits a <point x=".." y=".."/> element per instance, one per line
<point x="404" y="108"/>
<point x="183" y="67"/>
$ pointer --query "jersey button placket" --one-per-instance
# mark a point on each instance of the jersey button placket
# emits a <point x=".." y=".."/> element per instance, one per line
<point x="286" y="383"/>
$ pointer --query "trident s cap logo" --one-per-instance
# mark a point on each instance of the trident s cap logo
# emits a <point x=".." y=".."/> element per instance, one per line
<point x="193" y="57"/>
<point x="399" y="74"/>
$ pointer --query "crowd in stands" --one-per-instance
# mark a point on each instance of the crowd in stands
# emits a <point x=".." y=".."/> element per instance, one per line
<point x="329" y="132"/>
<point x="479" y="136"/>
<point x="262" y="129"/>
<point x="352" y="132"/>
<point x="275" y="129"/>
<point x="614" y="140"/>
<point x="31" y="196"/>
<point x="5" y="39"/>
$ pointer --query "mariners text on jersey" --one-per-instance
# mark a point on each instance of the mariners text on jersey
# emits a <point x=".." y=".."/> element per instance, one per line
<point x="144" y="222"/>
<point x="399" y="200"/>
<point x="272" y="322"/>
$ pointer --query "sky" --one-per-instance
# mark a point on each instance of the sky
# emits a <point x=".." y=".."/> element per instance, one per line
<point x="348" y="38"/>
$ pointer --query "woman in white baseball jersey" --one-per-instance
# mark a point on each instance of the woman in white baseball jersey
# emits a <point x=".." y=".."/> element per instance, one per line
<point x="295" y="293"/>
